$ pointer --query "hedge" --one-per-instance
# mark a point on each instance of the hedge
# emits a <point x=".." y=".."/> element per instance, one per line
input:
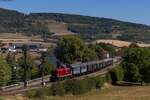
<point x="72" y="86"/>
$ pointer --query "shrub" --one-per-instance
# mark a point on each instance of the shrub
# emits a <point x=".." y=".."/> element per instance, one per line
<point x="47" y="91"/>
<point x="108" y="78"/>
<point x="99" y="82"/>
<point x="117" y="75"/>
<point x="90" y="83"/>
<point x="57" y="89"/>
<point x="35" y="94"/>
<point x="1" y="98"/>
<point x="79" y="87"/>
<point x="40" y="94"/>
<point x="69" y="85"/>
<point x="31" y="94"/>
<point x="76" y="87"/>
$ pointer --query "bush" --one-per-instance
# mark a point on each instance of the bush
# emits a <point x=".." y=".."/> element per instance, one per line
<point x="75" y="87"/>
<point x="35" y="94"/>
<point x="90" y="83"/>
<point x="57" y="89"/>
<point x="79" y="87"/>
<point x="31" y="94"/>
<point x="40" y="94"/>
<point x="95" y="82"/>
<point x="117" y="75"/>
<point x="108" y="78"/>
<point x="1" y="98"/>
<point x="47" y="91"/>
<point x="69" y="85"/>
<point x="99" y="82"/>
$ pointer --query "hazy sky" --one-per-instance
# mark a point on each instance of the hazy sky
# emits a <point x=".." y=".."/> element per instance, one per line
<point x="128" y="10"/>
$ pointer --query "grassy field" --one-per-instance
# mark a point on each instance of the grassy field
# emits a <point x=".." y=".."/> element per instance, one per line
<point x="107" y="93"/>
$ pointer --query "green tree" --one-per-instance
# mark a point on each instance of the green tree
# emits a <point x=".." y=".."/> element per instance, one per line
<point x="48" y="68"/>
<point x="11" y="60"/>
<point x="69" y="49"/>
<point x="89" y="54"/>
<point x="45" y="66"/>
<point x="72" y="49"/>
<point x="33" y="71"/>
<point x="136" y="64"/>
<point x="116" y="74"/>
<point x="146" y="74"/>
<point x="5" y="72"/>
<point x="26" y="68"/>
<point x="99" y="51"/>
<point x="110" y="48"/>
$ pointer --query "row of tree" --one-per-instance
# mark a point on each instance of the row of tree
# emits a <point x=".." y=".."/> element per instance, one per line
<point x="72" y="49"/>
<point x="17" y="69"/>
<point x="135" y="66"/>
<point x="74" y="87"/>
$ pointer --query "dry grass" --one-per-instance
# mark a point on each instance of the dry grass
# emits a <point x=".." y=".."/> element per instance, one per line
<point x="17" y="36"/>
<point x="114" y="93"/>
<point x="119" y="43"/>
<point x="59" y="28"/>
<point x="107" y="93"/>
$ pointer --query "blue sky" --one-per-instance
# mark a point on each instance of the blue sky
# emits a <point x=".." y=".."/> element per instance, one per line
<point x="127" y="10"/>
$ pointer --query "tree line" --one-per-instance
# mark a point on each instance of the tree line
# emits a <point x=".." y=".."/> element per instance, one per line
<point x="72" y="86"/>
<point x="72" y="49"/>
<point x="15" y="68"/>
<point x="135" y="66"/>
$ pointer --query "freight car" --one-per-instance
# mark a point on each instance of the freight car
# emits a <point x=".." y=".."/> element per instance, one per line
<point x="77" y="69"/>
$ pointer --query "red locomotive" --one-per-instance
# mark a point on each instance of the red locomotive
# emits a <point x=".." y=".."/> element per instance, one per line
<point x="61" y="72"/>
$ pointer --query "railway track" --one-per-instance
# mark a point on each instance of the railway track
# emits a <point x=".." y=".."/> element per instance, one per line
<point x="36" y="84"/>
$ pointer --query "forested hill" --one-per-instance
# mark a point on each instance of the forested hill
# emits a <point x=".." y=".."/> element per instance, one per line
<point x="85" y="26"/>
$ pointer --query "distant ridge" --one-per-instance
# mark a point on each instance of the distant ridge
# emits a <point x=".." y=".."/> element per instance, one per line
<point x="87" y="27"/>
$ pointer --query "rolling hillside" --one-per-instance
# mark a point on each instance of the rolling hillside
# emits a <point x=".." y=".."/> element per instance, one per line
<point x="55" y="24"/>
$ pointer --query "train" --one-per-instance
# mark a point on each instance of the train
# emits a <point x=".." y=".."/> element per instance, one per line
<point x="72" y="70"/>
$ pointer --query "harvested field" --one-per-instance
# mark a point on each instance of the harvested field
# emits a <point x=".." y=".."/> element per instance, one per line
<point x="119" y="43"/>
<point x="60" y="29"/>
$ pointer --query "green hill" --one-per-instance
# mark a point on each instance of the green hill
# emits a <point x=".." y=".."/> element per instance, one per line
<point x="84" y="26"/>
